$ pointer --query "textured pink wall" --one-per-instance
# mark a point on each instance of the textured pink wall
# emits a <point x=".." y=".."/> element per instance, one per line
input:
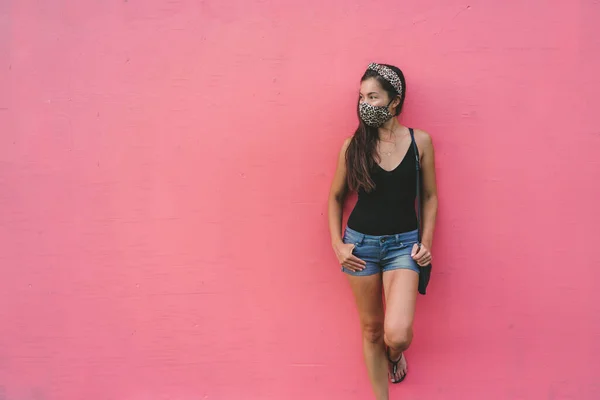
<point x="164" y="168"/>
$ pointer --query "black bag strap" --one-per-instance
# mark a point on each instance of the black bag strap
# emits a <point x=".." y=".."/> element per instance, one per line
<point x="416" y="150"/>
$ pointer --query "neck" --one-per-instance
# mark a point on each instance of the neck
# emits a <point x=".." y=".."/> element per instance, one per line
<point x="389" y="129"/>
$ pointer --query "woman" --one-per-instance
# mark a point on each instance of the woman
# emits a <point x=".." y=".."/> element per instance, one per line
<point x="379" y="251"/>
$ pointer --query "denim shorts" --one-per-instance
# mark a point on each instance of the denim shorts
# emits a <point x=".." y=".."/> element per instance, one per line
<point x="382" y="253"/>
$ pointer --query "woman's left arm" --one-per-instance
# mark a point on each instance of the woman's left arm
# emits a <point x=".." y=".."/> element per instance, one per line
<point x="429" y="200"/>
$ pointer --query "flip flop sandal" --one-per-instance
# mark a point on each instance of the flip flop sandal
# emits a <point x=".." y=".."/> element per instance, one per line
<point x="395" y="366"/>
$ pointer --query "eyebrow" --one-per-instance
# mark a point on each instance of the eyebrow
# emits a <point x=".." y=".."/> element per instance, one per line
<point x="370" y="93"/>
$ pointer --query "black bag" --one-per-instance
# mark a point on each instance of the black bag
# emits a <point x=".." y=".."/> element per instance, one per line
<point x="425" y="272"/>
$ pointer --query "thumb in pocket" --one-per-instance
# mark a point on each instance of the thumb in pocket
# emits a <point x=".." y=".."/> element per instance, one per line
<point x="415" y="250"/>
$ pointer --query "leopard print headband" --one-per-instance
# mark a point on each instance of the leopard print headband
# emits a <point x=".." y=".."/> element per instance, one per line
<point x="387" y="74"/>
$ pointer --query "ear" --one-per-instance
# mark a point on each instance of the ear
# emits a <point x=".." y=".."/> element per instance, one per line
<point x="395" y="104"/>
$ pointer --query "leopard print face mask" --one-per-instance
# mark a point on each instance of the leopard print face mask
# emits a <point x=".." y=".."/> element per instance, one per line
<point x="374" y="115"/>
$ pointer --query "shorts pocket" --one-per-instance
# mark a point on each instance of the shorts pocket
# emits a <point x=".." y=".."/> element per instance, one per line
<point x="403" y="248"/>
<point x="352" y="238"/>
<point x="410" y="243"/>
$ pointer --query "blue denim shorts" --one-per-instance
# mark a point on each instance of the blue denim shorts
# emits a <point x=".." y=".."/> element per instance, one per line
<point x="382" y="253"/>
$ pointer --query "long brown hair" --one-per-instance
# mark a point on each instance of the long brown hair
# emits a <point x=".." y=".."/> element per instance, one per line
<point x="361" y="153"/>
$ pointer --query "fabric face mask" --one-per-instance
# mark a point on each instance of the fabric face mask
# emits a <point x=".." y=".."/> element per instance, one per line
<point x="374" y="115"/>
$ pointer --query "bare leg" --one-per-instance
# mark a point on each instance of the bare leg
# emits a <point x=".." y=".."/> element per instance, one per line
<point x="368" y="295"/>
<point x="400" y="287"/>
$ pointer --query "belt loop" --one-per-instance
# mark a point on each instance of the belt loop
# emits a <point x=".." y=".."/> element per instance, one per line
<point x="361" y="238"/>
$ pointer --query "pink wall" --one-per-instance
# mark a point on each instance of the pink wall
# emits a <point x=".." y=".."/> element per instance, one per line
<point x="164" y="168"/>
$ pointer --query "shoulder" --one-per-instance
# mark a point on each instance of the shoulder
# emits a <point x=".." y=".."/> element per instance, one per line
<point x="346" y="144"/>
<point x="423" y="139"/>
<point x="421" y="136"/>
<point x="344" y="150"/>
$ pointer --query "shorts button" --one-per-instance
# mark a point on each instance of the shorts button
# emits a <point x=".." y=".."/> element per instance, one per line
<point x="382" y="240"/>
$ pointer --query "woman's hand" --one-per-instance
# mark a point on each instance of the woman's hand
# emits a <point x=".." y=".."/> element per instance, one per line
<point x="346" y="259"/>
<point x="421" y="255"/>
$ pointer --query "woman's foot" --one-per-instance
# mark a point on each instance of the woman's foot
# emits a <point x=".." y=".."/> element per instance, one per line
<point x="398" y="368"/>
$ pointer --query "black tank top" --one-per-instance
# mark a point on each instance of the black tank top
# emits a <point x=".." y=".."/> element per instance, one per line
<point x="390" y="208"/>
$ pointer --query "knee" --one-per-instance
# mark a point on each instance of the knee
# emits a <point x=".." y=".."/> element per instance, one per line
<point x="398" y="339"/>
<point x="373" y="332"/>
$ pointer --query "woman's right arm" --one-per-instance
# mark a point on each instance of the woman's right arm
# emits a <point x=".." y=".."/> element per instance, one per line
<point x="337" y="196"/>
